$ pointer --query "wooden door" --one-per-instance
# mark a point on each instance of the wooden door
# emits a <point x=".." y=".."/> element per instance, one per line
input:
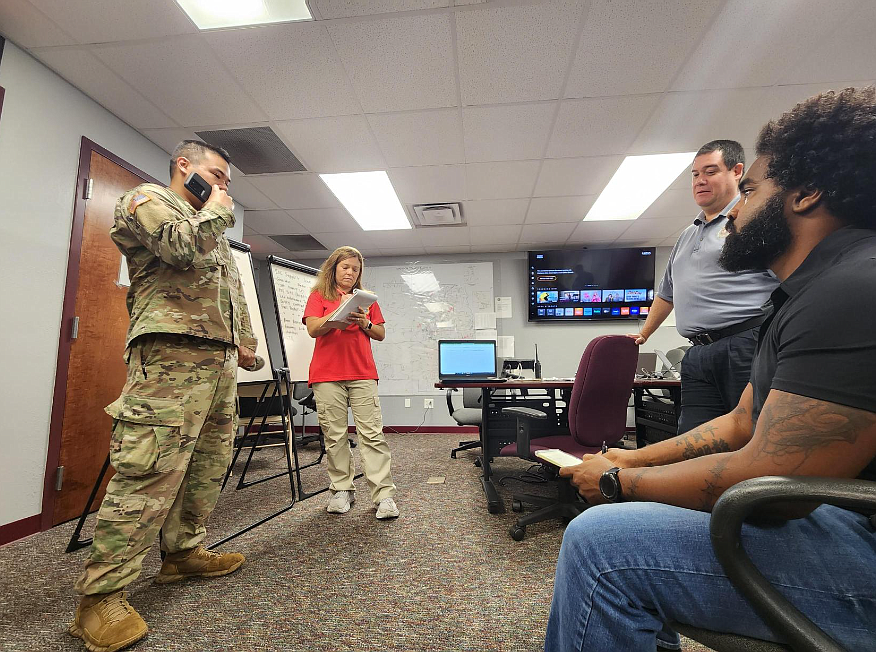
<point x="96" y="370"/>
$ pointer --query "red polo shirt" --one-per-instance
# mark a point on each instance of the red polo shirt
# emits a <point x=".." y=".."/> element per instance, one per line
<point x="341" y="354"/>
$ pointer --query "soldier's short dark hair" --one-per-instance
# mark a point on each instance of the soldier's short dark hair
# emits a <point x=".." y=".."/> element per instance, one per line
<point x="828" y="143"/>
<point x="194" y="150"/>
<point x="731" y="152"/>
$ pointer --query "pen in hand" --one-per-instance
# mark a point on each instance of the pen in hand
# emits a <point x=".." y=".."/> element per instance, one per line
<point x="604" y="447"/>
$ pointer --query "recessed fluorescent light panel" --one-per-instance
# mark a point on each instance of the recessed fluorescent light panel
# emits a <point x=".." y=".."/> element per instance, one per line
<point x="370" y="199"/>
<point x="212" y="14"/>
<point x="637" y="183"/>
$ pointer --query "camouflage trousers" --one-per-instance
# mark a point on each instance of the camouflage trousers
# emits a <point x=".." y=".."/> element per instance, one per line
<point x="173" y="429"/>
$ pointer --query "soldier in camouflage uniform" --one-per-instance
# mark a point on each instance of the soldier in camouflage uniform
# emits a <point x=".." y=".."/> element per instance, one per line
<point x="175" y="420"/>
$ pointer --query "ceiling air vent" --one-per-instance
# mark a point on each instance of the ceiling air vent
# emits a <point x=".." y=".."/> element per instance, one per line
<point x="297" y="242"/>
<point x="254" y="150"/>
<point x="449" y="214"/>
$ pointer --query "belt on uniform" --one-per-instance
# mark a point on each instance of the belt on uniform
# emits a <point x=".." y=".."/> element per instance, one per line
<point x="713" y="336"/>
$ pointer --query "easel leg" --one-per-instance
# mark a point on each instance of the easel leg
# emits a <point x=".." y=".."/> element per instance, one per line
<point x="75" y="542"/>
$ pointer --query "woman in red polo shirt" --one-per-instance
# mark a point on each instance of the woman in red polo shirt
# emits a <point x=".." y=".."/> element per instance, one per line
<point x="343" y="373"/>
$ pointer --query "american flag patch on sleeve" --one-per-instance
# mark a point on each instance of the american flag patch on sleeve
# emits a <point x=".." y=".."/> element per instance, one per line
<point x="137" y="200"/>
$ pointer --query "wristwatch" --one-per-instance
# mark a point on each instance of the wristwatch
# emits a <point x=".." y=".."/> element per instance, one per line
<point x="610" y="486"/>
<point x="368" y="327"/>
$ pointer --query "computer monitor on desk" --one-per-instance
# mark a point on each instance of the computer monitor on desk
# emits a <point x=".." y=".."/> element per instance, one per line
<point x="466" y="360"/>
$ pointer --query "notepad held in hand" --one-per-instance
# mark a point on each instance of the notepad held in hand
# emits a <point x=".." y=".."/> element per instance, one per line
<point x="557" y="457"/>
<point x="358" y="299"/>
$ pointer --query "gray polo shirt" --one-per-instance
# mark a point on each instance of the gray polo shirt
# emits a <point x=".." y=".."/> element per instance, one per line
<point x="707" y="297"/>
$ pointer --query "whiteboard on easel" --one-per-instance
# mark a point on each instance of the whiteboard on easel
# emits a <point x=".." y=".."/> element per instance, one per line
<point x="292" y="284"/>
<point x="243" y="260"/>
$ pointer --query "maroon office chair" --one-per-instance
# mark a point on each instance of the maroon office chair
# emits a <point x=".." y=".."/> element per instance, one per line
<point x="597" y="414"/>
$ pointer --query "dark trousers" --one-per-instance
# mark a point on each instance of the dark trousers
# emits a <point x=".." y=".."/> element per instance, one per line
<point x="713" y="377"/>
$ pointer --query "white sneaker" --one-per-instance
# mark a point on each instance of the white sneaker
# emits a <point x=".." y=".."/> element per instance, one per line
<point x="340" y="502"/>
<point x="387" y="508"/>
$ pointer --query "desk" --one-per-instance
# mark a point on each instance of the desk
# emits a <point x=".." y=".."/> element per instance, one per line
<point x="551" y="396"/>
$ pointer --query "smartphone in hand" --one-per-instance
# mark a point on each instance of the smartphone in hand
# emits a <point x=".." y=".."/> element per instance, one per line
<point x="196" y="185"/>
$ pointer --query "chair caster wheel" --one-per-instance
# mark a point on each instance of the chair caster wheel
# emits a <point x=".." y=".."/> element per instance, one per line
<point x="517" y="532"/>
<point x="477" y="463"/>
<point x="453" y="455"/>
<point x="516" y="506"/>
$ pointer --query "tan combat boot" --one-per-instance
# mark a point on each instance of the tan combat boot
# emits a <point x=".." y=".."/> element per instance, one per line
<point x="106" y="622"/>
<point x="197" y="562"/>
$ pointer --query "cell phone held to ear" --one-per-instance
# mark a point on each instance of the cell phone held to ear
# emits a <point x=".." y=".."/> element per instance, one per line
<point x="196" y="185"/>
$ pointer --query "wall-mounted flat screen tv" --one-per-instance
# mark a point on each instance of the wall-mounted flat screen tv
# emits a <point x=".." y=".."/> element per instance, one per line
<point x="590" y="284"/>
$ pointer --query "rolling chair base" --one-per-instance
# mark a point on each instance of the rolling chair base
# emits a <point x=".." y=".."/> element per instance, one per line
<point x="465" y="446"/>
<point x="566" y="506"/>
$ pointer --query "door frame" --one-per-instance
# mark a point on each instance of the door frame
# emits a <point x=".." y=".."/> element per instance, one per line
<point x="87" y="147"/>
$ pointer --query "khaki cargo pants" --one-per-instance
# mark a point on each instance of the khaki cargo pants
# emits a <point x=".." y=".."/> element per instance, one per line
<point x="172" y="438"/>
<point x="332" y="400"/>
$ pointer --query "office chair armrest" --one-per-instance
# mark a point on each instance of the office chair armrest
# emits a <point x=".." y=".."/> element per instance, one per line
<point x="523" y="415"/>
<point x="725" y="527"/>
<point x="450" y="409"/>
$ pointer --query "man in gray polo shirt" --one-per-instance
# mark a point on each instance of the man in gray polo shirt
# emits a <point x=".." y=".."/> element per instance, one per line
<point x="718" y="311"/>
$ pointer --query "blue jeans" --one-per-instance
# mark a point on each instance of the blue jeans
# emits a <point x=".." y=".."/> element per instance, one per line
<point x="624" y="570"/>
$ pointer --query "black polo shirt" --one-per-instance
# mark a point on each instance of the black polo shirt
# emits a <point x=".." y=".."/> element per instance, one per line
<point x="820" y="339"/>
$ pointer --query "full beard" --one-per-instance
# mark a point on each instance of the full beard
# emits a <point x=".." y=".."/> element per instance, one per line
<point x="766" y="237"/>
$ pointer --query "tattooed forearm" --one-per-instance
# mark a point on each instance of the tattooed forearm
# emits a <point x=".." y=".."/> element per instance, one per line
<point x="714" y="487"/>
<point x="701" y="441"/>
<point x="795" y="428"/>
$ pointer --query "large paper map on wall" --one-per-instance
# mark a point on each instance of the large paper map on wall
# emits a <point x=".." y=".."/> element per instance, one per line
<point x="422" y="304"/>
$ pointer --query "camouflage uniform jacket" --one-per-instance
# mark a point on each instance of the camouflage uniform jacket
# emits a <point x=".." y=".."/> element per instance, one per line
<point x="183" y="276"/>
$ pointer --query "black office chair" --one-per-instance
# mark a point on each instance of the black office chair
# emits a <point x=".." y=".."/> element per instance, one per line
<point x="468" y="415"/>
<point x="725" y="527"/>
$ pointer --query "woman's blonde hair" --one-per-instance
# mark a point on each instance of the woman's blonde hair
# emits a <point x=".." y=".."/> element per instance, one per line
<point x="326" y="283"/>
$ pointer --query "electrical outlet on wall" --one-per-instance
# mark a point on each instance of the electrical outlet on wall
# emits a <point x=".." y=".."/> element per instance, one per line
<point x="428" y="403"/>
<point x="407" y="402"/>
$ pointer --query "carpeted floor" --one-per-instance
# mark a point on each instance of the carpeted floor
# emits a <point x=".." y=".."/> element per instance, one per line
<point x="444" y="576"/>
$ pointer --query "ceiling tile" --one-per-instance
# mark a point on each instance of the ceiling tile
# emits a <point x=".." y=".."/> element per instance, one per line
<point x="291" y="70"/>
<point x="500" y="180"/>
<point x="598" y="231"/>
<point x="104" y="21"/>
<point x="547" y="233"/>
<point x="496" y="212"/>
<point x="247" y="195"/>
<point x="674" y="202"/>
<point x="683" y="122"/>
<point x="492" y="249"/>
<point x="847" y="53"/>
<point x="89" y="75"/>
<point x="168" y="139"/>
<point x="361" y="240"/>
<point x="263" y="245"/>
<point x="27" y="27"/>
<point x="428" y="184"/>
<point x="295" y="191"/>
<point x="515" y="53"/>
<point x="650" y="229"/>
<point x="402" y="251"/>
<point x="751" y="42"/>
<point x="345" y="8"/>
<point x="630" y="46"/>
<point x="558" y="209"/>
<point x="444" y="236"/>
<point x="780" y="99"/>
<point x="399" y="64"/>
<point x="275" y="222"/>
<point x="490" y="235"/>
<point x="507" y="133"/>
<point x="457" y="249"/>
<point x="576" y="176"/>
<point x="600" y="126"/>
<point x="326" y="220"/>
<point x="339" y="144"/>
<point x="247" y="230"/>
<point x="419" y="138"/>
<point x="210" y="97"/>
<point x="399" y="238"/>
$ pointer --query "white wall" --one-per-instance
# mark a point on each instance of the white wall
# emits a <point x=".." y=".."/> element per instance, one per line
<point x="42" y="122"/>
<point x="559" y="344"/>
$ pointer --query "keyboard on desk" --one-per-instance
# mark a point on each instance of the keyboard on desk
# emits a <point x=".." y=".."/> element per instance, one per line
<point x="473" y="380"/>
